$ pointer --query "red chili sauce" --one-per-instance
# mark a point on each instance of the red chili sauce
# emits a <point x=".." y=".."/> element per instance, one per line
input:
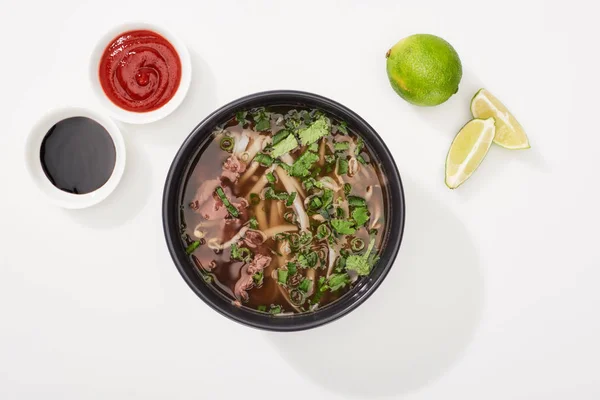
<point x="140" y="71"/>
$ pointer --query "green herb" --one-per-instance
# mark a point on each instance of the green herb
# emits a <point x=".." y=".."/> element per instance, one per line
<point x="262" y="119"/>
<point x="310" y="183"/>
<point x="339" y="212"/>
<point x="323" y="231"/>
<point x="271" y="177"/>
<point x="301" y="167"/>
<point x="329" y="159"/>
<point x="290" y="199"/>
<point x="305" y="238"/>
<point x="193" y="246"/>
<point x="360" y="144"/>
<point x="361" y="159"/>
<point x="254" y="199"/>
<point x="360" y="215"/>
<point x="342" y="166"/>
<point x="305" y="285"/>
<point x="230" y="207"/>
<point x="240" y="117"/>
<point x="308" y="260"/>
<point x="279" y="136"/>
<point x="347" y="188"/>
<point x="263" y="159"/>
<point x="343" y="227"/>
<point x="372" y="232"/>
<point x="343" y="127"/>
<point x="362" y="264"/>
<point x="315" y="203"/>
<point x="253" y="223"/>
<point x="339" y="146"/>
<point x="285" y="146"/>
<point x="357" y="244"/>
<point x="282" y="275"/>
<point x="313" y="147"/>
<point x="340" y="263"/>
<point x="275" y="309"/>
<point x="262" y="125"/>
<point x="258" y="278"/>
<point x="327" y="198"/>
<point x="235" y="252"/>
<point x="289" y="216"/>
<point x="355" y="201"/>
<point x="271" y="194"/>
<point x="338" y="281"/>
<point x="262" y="308"/>
<point x="315" y="131"/>
<point x="227" y="143"/>
<point x="292" y="269"/>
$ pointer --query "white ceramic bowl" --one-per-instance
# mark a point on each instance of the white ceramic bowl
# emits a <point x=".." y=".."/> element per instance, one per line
<point x="34" y="163"/>
<point x="140" y="117"/>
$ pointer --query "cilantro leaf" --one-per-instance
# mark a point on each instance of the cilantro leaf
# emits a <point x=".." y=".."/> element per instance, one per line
<point x="327" y="198"/>
<point x="360" y="215"/>
<point x="315" y="131"/>
<point x="362" y="264"/>
<point x="240" y="117"/>
<point x="263" y="159"/>
<point x="343" y="227"/>
<point x="338" y="281"/>
<point x="284" y="146"/>
<point x="301" y="167"/>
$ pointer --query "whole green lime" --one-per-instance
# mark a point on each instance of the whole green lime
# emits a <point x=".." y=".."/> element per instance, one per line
<point x="424" y="69"/>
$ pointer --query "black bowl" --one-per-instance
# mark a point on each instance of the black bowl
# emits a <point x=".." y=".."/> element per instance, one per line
<point x="173" y="193"/>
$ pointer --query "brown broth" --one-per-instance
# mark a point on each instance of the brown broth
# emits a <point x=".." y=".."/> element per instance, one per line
<point x="220" y="270"/>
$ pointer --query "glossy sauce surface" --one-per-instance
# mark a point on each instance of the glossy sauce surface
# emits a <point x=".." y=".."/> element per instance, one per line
<point x="140" y="71"/>
<point x="78" y="155"/>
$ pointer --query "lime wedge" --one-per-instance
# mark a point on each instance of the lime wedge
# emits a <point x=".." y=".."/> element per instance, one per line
<point x="468" y="149"/>
<point x="509" y="133"/>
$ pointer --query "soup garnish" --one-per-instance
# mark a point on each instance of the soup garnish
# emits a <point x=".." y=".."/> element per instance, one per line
<point x="283" y="210"/>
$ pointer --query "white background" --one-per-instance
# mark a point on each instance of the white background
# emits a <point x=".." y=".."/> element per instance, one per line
<point x="496" y="290"/>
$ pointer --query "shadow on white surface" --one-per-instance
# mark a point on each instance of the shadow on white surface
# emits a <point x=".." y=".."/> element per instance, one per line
<point x="198" y="104"/>
<point x="450" y="116"/>
<point x="416" y="325"/>
<point x="129" y="197"/>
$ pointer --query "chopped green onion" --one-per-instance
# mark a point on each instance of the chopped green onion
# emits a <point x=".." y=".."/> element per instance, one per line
<point x="315" y="203"/>
<point x="313" y="147"/>
<point x="282" y="275"/>
<point x="360" y="144"/>
<point x="347" y="188"/>
<point x="339" y="146"/>
<point x="230" y="207"/>
<point x="339" y="212"/>
<point x="338" y="281"/>
<point x="342" y="166"/>
<point x="280" y="236"/>
<point x="258" y="278"/>
<point x="290" y="217"/>
<point x="290" y="199"/>
<point x="254" y="199"/>
<point x="271" y="194"/>
<point x="291" y="267"/>
<point x="372" y="232"/>
<point x="263" y="159"/>
<point x="279" y="136"/>
<point x="361" y="159"/>
<point x="294" y="240"/>
<point x="305" y="285"/>
<point x="262" y="308"/>
<point x="190" y="249"/>
<point x="297" y="297"/>
<point x="323" y="231"/>
<point x="227" y="143"/>
<point x="343" y="127"/>
<point x="245" y="254"/>
<point x="270" y="177"/>
<point x="357" y="244"/>
<point x="305" y="238"/>
<point x="355" y="201"/>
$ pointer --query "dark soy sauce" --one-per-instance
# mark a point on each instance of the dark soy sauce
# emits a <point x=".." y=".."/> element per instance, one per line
<point x="78" y="155"/>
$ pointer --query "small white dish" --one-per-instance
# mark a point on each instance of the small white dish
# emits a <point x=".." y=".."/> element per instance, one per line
<point x="34" y="163"/>
<point x="140" y="117"/>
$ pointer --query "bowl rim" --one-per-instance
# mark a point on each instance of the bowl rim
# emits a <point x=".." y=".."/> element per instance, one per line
<point x="37" y="174"/>
<point x="132" y="117"/>
<point x="296" y="322"/>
